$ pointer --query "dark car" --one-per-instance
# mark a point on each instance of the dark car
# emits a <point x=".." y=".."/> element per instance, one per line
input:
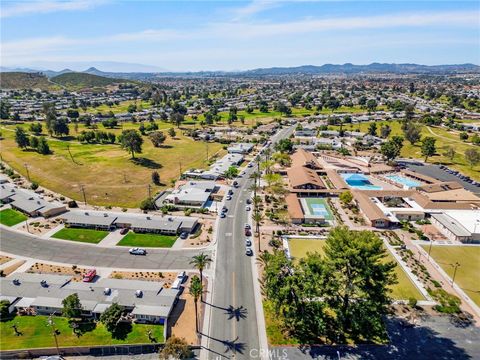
<point x="183" y="235"/>
<point x="248" y="232"/>
<point x="124" y="231"/>
<point x="248" y="252"/>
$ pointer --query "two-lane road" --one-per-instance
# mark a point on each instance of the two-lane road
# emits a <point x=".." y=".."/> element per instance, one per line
<point x="233" y="328"/>
<point x="66" y="252"/>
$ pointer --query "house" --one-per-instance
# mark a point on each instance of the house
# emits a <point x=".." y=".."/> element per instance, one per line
<point x="89" y="219"/>
<point x="194" y="194"/>
<point x="241" y="148"/>
<point x="458" y="225"/>
<point x="303" y="178"/>
<point x="301" y="157"/>
<point x="217" y="169"/>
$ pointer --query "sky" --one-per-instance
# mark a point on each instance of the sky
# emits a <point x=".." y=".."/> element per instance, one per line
<point x="235" y="35"/>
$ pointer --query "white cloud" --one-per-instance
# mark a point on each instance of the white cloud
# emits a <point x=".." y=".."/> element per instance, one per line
<point x="256" y="6"/>
<point x="42" y="7"/>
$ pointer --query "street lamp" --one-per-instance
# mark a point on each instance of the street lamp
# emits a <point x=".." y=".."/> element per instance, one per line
<point x="430" y="249"/>
<point x="456" y="265"/>
<point x="54" y="331"/>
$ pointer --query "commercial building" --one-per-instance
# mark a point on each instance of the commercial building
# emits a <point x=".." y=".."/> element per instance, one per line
<point x="240" y="148"/>
<point x="193" y="194"/>
<point x="217" y="169"/>
<point x="458" y="225"/>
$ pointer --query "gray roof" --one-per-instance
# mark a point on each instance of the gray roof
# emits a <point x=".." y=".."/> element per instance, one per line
<point x="7" y="190"/>
<point x="451" y="224"/>
<point x="88" y="218"/>
<point x="166" y="223"/>
<point x="48" y="302"/>
<point x="162" y="311"/>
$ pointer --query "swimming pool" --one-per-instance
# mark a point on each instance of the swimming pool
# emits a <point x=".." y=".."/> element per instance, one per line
<point x="403" y="180"/>
<point x="359" y="181"/>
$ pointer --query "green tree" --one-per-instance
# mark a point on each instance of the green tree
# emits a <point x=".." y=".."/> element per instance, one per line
<point x="156" y="177"/>
<point x="372" y="129"/>
<point x="463" y="136"/>
<point x="4" y="305"/>
<point x="175" y="348"/>
<point x="43" y="147"/>
<point x="35" y="128"/>
<point x="50" y="113"/>
<point x="385" y="131"/>
<point x="131" y="141"/>
<point x="472" y="156"/>
<point x="391" y="149"/>
<point x="428" y="147"/>
<point x="284" y="146"/>
<point x="177" y="119"/>
<point x="172" y="133"/>
<point x="200" y="262"/>
<point x="21" y="138"/>
<point x="111" y="317"/>
<point x="147" y="204"/>
<point x="413" y="133"/>
<point x="72" y="307"/>
<point x="346" y="197"/>
<point x="371" y="105"/>
<point x="132" y="108"/>
<point x="196" y="290"/>
<point x="4" y="110"/>
<point x="157" y="138"/>
<point x="231" y="172"/>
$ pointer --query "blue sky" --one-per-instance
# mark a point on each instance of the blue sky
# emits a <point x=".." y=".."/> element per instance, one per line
<point x="236" y="35"/>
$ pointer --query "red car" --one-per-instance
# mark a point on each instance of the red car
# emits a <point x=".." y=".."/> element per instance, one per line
<point x="90" y="275"/>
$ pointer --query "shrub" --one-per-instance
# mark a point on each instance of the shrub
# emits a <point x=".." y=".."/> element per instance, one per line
<point x="72" y="204"/>
<point x="34" y="186"/>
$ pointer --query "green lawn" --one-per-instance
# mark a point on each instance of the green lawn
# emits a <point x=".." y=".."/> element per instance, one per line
<point x="273" y="326"/>
<point x="108" y="174"/>
<point x="467" y="276"/>
<point x="83" y="235"/>
<point x="36" y="334"/>
<point x="147" y="240"/>
<point x="403" y="290"/>
<point x="444" y="139"/>
<point x="10" y="217"/>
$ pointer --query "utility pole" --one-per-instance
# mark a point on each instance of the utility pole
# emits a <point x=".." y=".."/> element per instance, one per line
<point x="180" y="169"/>
<point x="28" y="173"/>
<point x="456" y="265"/>
<point x="149" y="191"/>
<point x="207" y="151"/>
<point x="429" y="250"/>
<point x="83" y="192"/>
<point x="54" y="332"/>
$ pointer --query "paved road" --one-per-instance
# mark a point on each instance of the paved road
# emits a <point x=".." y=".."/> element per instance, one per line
<point x="76" y="253"/>
<point x="233" y="325"/>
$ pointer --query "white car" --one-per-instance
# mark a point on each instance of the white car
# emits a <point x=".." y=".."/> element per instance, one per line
<point x="248" y="242"/>
<point x="229" y="197"/>
<point x="248" y="251"/>
<point x="247" y="208"/>
<point x="137" y="251"/>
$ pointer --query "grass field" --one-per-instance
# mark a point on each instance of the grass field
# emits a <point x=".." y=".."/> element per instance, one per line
<point x="273" y="327"/>
<point x="10" y="217"/>
<point x="107" y="173"/>
<point x="147" y="240"/>
<point x="117" y="109"/>
<point x="444" y="139"/>
<point x="82" y="235"/>
<point x="467" y="276"/>
<point x="403" y="290"/>
<point x="37" y="334"/>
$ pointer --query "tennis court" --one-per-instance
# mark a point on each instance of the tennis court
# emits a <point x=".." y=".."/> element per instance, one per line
<point x="317" y="207"/>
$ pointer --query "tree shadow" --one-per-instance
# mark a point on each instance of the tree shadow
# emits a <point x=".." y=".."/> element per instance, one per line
<point x="230" y="345"/>
<point x="145" y="162"/>
<point x="236" y="313"/>
<point x="420" y="342"/>
<point x="82" y="327"/>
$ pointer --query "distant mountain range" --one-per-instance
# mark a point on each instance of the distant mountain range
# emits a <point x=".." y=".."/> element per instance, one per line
<point x="374" y="68"/>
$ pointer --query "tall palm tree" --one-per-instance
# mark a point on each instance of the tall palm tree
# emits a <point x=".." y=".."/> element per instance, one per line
<point x="196" y="290"/>
<point x="200" y="262"/>
<point x="258" y="217"/>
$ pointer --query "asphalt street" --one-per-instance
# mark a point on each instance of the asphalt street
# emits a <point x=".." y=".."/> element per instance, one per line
<point x="233" y="326"/>
<point x="89" y="255"/>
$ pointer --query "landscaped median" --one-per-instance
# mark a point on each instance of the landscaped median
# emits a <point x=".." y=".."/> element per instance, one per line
<point x="36" y="333"/>
<point x="82" y="235"/>
<point x="10" y="217"/>
<point x="147" y="240"/>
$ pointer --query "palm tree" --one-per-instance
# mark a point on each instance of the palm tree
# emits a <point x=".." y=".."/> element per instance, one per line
<point x="196" y="290"/>
<point x="200" y="262"/>
<point x="258" y="217"/>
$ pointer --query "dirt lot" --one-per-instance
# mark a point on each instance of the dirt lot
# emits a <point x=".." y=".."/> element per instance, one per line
<point x="41" y="268"/>
<point x="10" y="269"/>
<point x="182" y="319"/>
<point x="166" y="277"/>
<point x="40" y="226"/>
<point x="205" y="237"/>
<point x="4" y="259"/>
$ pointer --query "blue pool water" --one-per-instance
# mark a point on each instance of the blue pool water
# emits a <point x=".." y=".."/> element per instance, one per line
<point x="359" y="181"/>
<point x="403" y="180"/>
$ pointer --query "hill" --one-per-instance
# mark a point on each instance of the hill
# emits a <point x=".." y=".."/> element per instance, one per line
<point x="25" y="80"/>
<point x="83" y="80"/>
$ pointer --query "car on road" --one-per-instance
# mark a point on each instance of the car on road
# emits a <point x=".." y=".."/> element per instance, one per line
<point x="182" y="276"/>
<point x="248" y="201"/>
<point x="235" y="184"/>
<point x="247" y="226"/>
<point x="223" y="215"/>
<point x="247" y="208"/>
<point x="250" y="165"/>
<point x="137" y="251"/>
<point x="248" y="232"/>
<point x="228" y="198"/>
<point x="248" y="251"/>
<point x="224" y="209"/>
<point x="184" y="235"/>
<point x="123" y="231"/>
<point x="89" y="276"/>
<point x="248" y="242"/>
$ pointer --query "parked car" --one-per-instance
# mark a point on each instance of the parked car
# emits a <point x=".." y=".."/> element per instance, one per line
<point x="247" y="208"/>
<point x="124" y="231"/>
<point x="228" y="198"/>
<point x="248" y="232"/>
<point x="182" y="276"/>
<point x="248" y="251"/>
<point x="249" y="201"/>
<point x="250" y="165"/>
<point x="223" y="215"/>
<point x="184" y="235"/>
<point x="90" y="275"/>
<point x="248" y="242"/>
<point x="230" y="192"/>
<point x="235" y="184"/>
<point x="137" y="251"/>
<point x="224" y="209"/>
<point x="247" y="226"/>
